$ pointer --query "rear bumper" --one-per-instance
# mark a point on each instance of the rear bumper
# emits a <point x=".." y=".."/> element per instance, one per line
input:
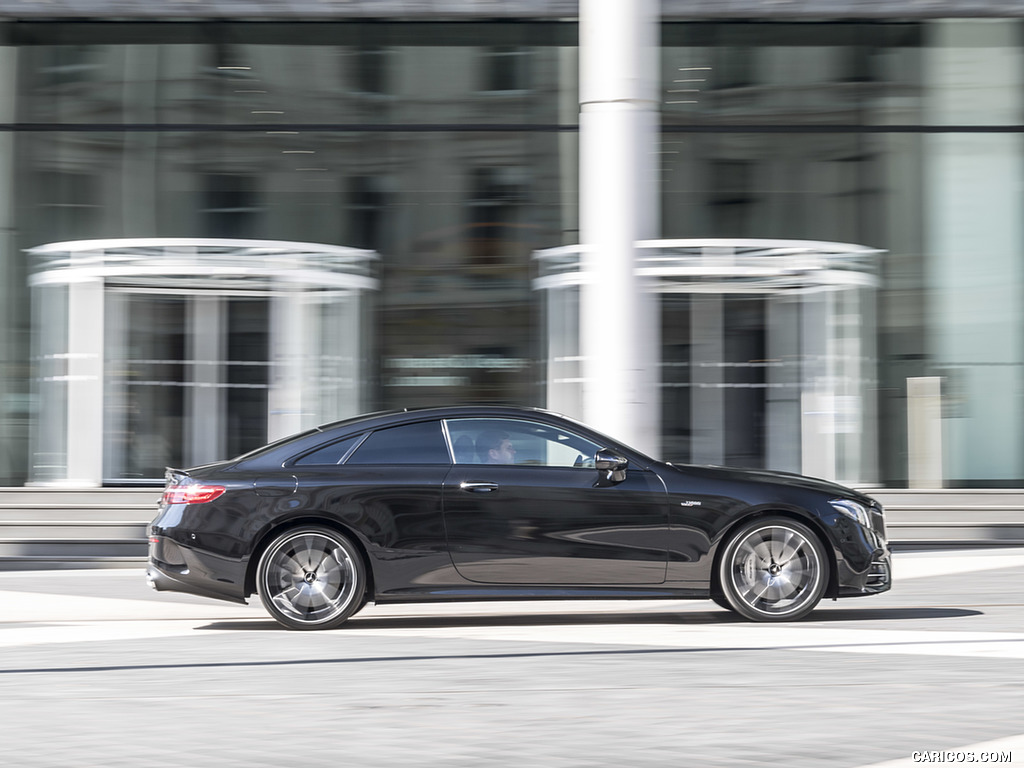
<point x="162" y="581"/>
<point x="173" y="567"/>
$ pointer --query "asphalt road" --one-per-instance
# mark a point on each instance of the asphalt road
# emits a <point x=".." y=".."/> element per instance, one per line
<point x="97" y="670"/>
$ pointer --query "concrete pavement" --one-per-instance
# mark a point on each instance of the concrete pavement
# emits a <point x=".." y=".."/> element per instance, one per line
<point x="97" y="670"/>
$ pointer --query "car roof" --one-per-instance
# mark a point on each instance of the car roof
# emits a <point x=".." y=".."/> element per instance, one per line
<point x="437" y="412"/>
<point x="277" y="452"/>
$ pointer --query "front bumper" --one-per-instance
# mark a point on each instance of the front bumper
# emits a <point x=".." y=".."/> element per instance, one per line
<point x="877" y="578"/>
<point x="862" y="553"/>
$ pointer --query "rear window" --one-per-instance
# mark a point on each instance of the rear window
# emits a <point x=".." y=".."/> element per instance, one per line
<point x="421" y="443"/>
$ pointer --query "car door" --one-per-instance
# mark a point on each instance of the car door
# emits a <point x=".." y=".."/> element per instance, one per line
<point x="387" y="484"/>
<point x="544" y="518"/>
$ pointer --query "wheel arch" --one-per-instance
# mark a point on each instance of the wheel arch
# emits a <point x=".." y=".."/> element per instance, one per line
<point x="298" y="522"/>
<point x="831" y="588"/>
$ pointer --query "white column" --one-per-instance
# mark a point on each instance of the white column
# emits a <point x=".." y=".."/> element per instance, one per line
<point x="924" y="432"/>
<point x="289" y="352"/>
<point x="205" y="398"/>
<point x="818" y="396"/>
<point x="620" y="327"/>
<point x="85" y="383"/>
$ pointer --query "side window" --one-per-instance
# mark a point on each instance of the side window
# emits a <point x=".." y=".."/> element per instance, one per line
<point x="332" y="453"/>
<point x="511" y="441"/>
<point x="420" y="443"/>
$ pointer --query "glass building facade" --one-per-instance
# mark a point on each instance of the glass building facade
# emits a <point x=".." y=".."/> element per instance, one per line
<point x="450" y="150"/>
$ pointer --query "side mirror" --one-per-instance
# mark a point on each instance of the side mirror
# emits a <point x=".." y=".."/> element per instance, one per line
<point x="611" y="466"/>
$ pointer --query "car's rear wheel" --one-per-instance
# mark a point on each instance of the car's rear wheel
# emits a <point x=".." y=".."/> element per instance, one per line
<point x="773" y="569"/>
<point x="311" y="578"/>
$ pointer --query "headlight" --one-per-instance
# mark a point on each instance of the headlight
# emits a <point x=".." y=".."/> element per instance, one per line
<point x="853" y="510"/>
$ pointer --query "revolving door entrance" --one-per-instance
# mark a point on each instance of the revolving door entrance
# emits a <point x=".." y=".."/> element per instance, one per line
<point x="172" y="352"/>
<point x="767" y="351"/>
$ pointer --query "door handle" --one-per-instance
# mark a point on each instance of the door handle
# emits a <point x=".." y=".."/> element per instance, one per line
<point x="479" y="487"/>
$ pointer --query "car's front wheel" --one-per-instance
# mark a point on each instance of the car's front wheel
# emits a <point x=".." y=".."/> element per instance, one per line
<point x="773" y="569"/>
<point x="311" y="578"/>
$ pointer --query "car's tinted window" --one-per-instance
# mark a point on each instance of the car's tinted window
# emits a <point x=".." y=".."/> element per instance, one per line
<point x="512" y="441"/>
<point x="331" y="453"/>
<point x="420" y="443"/>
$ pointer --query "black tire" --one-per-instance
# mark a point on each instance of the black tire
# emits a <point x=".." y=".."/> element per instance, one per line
<point x="773" y="569"/>
<point x="721" y="602"/>
<point x="311" y="578"/>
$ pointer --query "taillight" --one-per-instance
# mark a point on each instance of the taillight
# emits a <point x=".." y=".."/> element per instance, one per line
<point x="192" y="494"/>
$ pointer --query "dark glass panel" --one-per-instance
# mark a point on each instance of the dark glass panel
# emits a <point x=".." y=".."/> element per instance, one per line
<point x="230" y="205"/>
<point x="329" y="454"/>
<point x="368" y="201"/>
<point x="151" y="379"/>
<point x="420" y="443"/>
<point x="248" y="374"/>
<point x="810" y="186"/>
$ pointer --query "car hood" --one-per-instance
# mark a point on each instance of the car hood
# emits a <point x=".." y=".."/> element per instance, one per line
<point x="770" y="477"/>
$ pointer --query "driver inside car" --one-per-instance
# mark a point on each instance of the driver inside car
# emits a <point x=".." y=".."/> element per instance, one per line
<point x="495" y="448"/>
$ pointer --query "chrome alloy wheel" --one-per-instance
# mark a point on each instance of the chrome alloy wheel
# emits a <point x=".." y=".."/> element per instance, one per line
<point x="774" y="570"/>
<point x="311" y="578"/>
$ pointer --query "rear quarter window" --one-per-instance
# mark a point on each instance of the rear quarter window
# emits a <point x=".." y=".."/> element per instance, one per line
<point x="331" y="453"/>
<point x="420" y="443"/>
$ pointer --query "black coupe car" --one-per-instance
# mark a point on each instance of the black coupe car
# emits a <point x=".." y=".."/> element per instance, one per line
<point x="477" y="503"/>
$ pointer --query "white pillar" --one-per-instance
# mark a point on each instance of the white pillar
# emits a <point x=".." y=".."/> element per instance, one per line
<point x="288" y="399"/>
<point x="85" y="383"/>
<point x="205" y="398"/>
<point x="817" y="396"/>
<point x="924" y="432"/>
<point x="620" y="320"/>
